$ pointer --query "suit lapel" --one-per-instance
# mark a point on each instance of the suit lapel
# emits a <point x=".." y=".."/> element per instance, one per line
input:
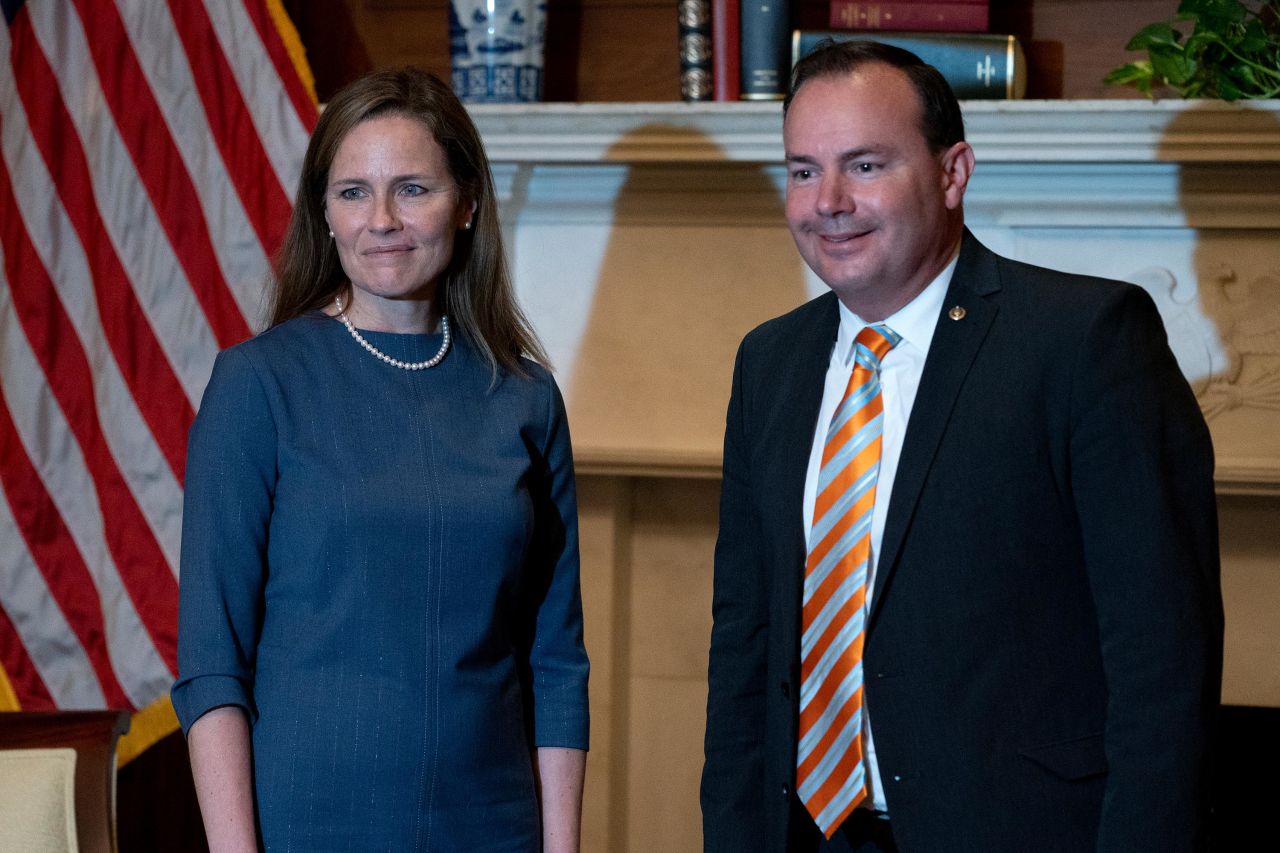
<point x="951" y="353"/>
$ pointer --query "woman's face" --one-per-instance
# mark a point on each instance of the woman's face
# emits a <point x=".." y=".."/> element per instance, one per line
<point x="394" y="210"/>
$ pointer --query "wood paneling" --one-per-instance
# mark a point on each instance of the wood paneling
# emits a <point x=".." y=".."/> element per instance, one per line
<point x="625" y="50"/>
<point x="1072" y="44"/>
<point x="628" y="53"/>
<point x="596" y="50"/>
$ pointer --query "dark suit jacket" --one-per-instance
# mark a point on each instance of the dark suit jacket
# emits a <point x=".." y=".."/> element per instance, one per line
<point x="1043" y="655"/>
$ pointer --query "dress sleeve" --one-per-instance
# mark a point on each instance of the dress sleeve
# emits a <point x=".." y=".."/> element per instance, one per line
<point x="557" y="657"/>
<point x="230" y="480"/>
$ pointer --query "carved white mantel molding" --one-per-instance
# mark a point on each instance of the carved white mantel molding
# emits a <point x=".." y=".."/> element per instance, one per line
<point x="647" y="238"/>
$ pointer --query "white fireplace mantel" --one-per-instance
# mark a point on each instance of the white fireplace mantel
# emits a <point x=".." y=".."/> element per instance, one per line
<point x="1002" y="131"/>
<point x="647" y="238"/>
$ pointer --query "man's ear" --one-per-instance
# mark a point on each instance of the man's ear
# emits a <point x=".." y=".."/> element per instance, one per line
<point x="957" y="166"/>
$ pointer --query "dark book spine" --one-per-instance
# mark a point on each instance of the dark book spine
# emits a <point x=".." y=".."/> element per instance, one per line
<point x="978" y="66"/>
<point x="765" y="69"/>
<point x="906" y="15"/>
<point x="725" y="48"/>
<point x="695" y="49"/>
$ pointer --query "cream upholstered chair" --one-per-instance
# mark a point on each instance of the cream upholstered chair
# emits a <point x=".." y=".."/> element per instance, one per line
<point x="58" y="781"/>
<point x="38" y="801"/>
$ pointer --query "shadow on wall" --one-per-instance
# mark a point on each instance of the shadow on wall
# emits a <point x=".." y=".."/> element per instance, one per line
<point x="1225" y="325"/>
<point x="698" y="254"/>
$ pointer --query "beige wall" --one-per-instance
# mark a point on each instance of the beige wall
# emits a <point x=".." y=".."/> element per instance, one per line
<point x="647" y="545"/>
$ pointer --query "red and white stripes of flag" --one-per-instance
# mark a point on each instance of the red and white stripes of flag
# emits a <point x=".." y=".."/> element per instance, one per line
<point x="150" y="151"/>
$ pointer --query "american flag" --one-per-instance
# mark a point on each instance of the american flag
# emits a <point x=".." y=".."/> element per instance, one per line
<point x="150" y="153"/>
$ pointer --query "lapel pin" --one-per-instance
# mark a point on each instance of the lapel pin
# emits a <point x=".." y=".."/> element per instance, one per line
<point x="956" y="313"/>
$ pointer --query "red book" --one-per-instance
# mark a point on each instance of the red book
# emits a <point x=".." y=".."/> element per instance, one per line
<point x="903" y="15"/>
<point x="725" y="49"/>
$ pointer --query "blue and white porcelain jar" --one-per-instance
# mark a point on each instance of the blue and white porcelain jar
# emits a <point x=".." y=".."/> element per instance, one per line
<point x="496" y="49"/>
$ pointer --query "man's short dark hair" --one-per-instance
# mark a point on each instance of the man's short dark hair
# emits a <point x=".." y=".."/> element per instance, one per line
<point x="941" y="122"/>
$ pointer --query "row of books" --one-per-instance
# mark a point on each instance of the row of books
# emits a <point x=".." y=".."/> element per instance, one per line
<point x="744" y="49"/>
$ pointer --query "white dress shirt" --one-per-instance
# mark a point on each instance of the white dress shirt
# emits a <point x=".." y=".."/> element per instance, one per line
<point x="899" y="379"/>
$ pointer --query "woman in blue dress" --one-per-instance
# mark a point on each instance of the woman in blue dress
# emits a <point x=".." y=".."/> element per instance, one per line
<point x="380" y="630"/>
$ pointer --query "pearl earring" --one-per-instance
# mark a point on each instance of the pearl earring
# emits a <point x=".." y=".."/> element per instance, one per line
<point x="330" y="235"/>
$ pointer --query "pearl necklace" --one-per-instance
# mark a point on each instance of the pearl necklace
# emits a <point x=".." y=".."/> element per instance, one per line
<point x="395" y="362"/>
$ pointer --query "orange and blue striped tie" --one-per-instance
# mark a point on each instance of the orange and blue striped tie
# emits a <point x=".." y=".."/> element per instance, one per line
<point x="830" y="772"/>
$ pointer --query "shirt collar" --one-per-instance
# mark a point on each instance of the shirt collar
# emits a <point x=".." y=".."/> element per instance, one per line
<point x="914" y="321"/>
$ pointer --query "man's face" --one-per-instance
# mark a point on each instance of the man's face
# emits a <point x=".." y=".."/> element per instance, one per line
<point x="873" y="211"/>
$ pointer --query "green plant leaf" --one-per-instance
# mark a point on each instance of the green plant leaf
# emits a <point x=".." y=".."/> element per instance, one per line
<point x="1232" y="51"/>
<point x="1228" y="91"/>
<point x="1172" y="65"/>
<point x="1255" y="38"/>
<point x="1214" y="14"/>
<point x="1243" y="73"/>
<point x="1154" y="35"/>
<point x="1130" y="74"/>
<point x="1203" y="7"/>
<point x="1199" y="42"/>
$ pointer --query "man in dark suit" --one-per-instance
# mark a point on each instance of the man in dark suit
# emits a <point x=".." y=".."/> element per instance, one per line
<point x="998" y="629"/>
